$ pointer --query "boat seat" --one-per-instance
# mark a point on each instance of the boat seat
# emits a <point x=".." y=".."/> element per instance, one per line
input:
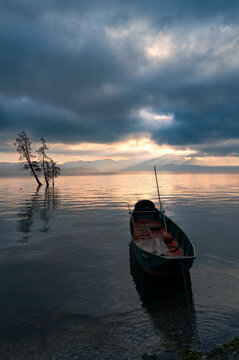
<point x="161" y="247"/>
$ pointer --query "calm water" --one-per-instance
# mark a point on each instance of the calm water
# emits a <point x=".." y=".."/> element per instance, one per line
<point x="69" y="280"/>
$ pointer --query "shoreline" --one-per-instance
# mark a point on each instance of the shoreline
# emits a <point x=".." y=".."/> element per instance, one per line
<point x="70" y="346"/>
<point x="226" y="351"/>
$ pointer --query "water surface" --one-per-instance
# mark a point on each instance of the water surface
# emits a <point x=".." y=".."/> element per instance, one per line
<point x="71" y="286"/>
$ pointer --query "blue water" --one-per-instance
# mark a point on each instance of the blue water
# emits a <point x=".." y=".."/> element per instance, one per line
<point x="70" y="285"/>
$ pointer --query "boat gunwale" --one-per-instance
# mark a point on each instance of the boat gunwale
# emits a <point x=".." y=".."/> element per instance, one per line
<point x="164" y="256"/>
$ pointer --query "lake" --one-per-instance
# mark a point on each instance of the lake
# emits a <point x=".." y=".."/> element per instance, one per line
<point x="70" y="285"/>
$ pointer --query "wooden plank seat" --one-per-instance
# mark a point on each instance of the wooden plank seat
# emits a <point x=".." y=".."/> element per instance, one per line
<point x="149" y="236"/>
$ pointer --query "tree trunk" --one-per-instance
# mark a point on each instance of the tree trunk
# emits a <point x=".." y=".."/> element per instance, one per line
<point x="44" y="170"/>
<point x="53" y="174"/>
<point x="35" y="175"/>
<point x="30" y="165"/>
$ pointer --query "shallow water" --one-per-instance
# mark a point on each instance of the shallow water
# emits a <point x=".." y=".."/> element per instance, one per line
<point x="67" y="270"/>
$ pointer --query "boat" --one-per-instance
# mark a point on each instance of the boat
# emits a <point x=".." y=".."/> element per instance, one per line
<point x="159" y="251"/>
<point x="160" y="246"/>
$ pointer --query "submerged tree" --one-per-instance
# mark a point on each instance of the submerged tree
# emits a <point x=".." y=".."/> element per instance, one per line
<point x="50" y="170"/>
<point x="23" y="145"/>
<point x="44" y="162"/>
<point x="55" y="171"/>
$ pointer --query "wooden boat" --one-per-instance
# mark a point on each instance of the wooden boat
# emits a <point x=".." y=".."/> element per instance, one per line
<point x="159" y="245"/>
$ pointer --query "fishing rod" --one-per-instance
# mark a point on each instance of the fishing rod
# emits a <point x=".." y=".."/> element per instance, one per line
<point x="130" y="213"/>
<point x="160" y="203"/>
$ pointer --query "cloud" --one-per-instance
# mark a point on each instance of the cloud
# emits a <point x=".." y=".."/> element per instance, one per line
<point x="104" y="71"/>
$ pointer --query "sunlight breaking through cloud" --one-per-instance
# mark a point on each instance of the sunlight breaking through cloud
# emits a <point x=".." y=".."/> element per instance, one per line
<point x="143" y="148"/>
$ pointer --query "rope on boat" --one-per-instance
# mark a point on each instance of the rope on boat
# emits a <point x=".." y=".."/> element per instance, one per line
<point x="195" y="335"/>
<point x="160" y="203"/>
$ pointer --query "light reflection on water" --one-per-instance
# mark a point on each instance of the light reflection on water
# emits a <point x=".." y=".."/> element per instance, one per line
<point x="65" y="260"/>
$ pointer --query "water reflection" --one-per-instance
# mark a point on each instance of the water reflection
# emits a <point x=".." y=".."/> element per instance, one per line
<point x="165" y="301"/>
<point x="34" y="213"/>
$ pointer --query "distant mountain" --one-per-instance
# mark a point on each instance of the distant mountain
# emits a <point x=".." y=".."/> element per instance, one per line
<point x="105" y="165"/>
<point x="183" y="167"/>
<point x="111" y="166"/>
<point x="163" y="164"/>
<point x="12" y="169"/>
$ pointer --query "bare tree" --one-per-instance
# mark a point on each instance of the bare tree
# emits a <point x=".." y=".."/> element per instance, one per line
<point x="44" y="162"/>
<point x="23" y="145"/>
<point x="55" y="171"/>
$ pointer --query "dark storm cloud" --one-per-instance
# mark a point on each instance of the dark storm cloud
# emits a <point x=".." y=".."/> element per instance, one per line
<point x="79" y="70"/>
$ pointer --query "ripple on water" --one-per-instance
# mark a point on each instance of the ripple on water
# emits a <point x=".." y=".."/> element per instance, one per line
<point x="66" y="271"/>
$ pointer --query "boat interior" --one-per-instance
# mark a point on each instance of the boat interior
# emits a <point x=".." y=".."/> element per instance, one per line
<point x="149" y="233"/>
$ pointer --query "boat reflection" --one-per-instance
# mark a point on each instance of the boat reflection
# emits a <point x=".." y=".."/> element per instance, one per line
<point x="166" y="303"/>
<point x="35" y="212"/>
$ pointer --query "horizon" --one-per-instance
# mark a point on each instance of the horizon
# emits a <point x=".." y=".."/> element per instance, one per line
<point x="112" y="167"/>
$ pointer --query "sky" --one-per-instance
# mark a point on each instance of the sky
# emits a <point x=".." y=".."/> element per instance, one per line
<point x="121" y="79"/>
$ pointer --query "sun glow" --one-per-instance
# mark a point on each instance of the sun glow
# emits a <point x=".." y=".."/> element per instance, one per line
<point x="143" y="148"/>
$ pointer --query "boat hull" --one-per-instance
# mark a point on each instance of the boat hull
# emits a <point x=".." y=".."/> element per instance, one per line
<point x="156" y="265"/>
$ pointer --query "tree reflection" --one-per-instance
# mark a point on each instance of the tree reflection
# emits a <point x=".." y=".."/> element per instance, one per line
<point x="165" y="301"/>
<point x="34" y="213"/>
